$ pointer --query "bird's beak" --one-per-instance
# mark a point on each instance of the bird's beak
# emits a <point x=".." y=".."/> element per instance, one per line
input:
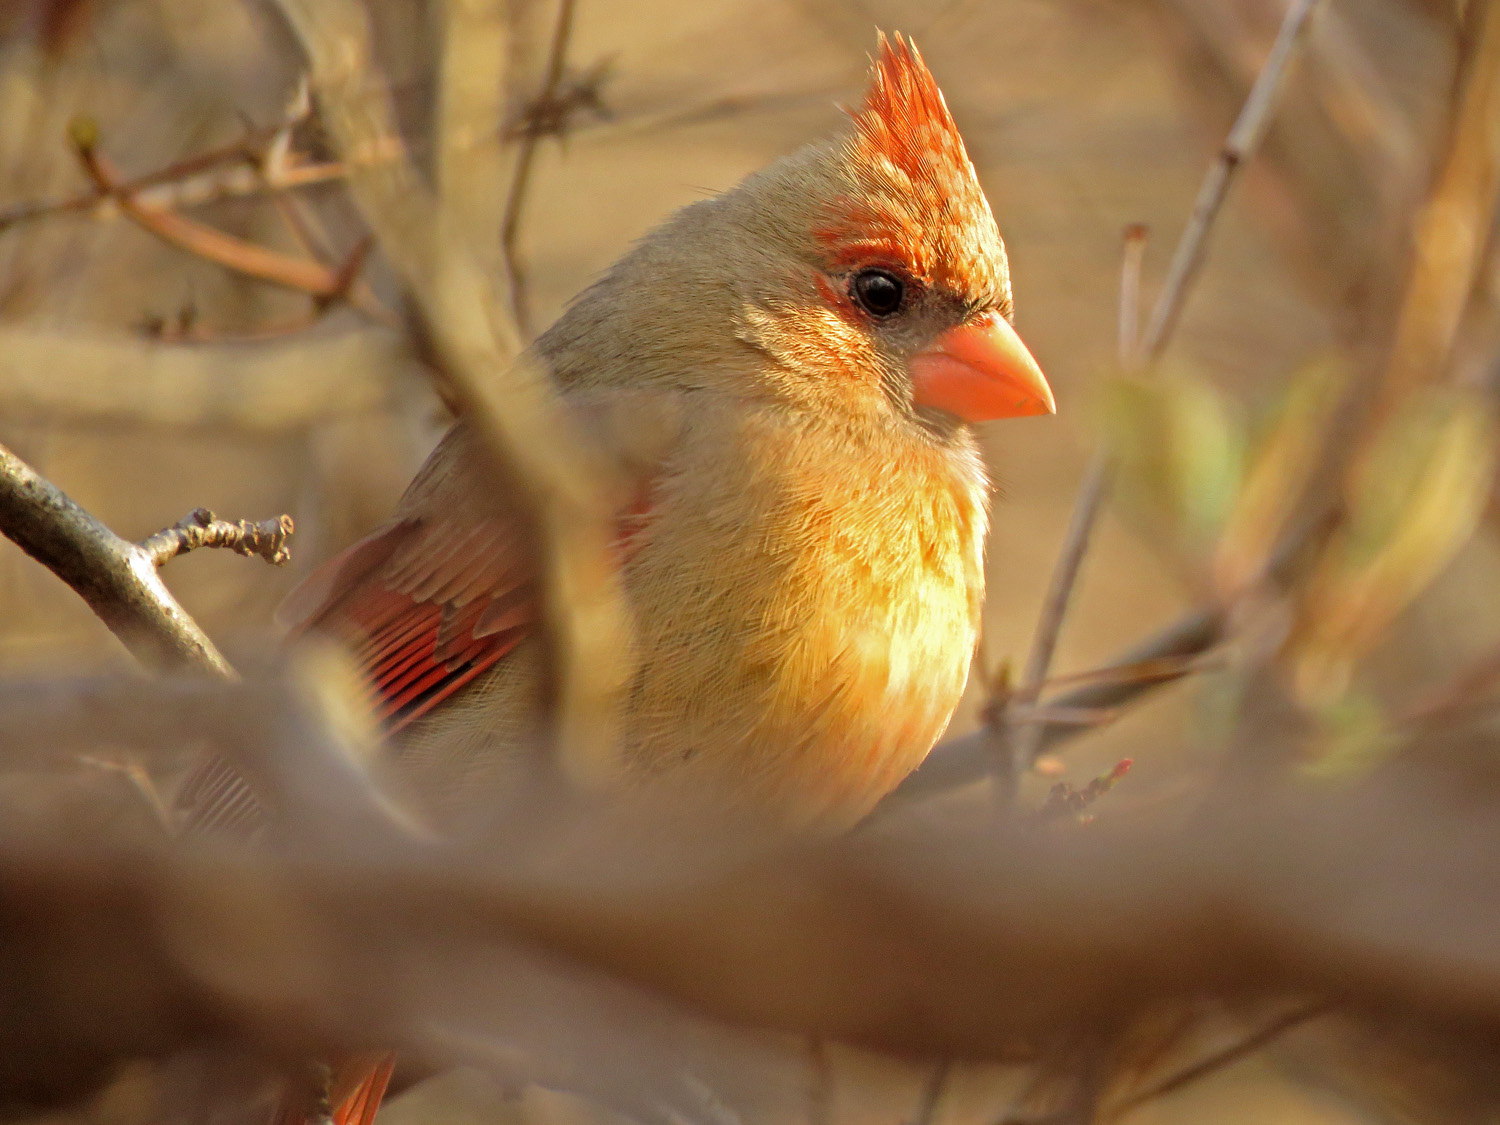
<point x="981" y="371"/>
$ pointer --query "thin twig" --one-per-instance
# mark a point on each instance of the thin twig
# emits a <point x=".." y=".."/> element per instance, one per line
<point x="820" y="1085"/>
<point x="932" y="1093"/>
<point x="1223" y="1058"/>
<point x="117" y="578"/>
<point x="244" y="153"/>
<point x="1183" y="643"/>
<point x="1022" y="748"/>
<point x="1026" y="743"/>
<point x="196" y="238"/>
<point x="200" y="528"/>
<point x="515" y="202"/>
<point x="1244" y="137"/>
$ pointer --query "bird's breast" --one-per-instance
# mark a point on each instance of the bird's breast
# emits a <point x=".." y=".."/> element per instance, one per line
<point x="807" y="602"/>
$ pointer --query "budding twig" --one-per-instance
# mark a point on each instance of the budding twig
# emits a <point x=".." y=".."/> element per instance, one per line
<point x="199" y="528"/>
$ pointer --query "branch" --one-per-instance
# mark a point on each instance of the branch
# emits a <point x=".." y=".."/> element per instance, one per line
<point x="1195" y="1072"/>
<point x="1380" y="896"/>
<point x="965" y="760"/>
<point x="1026" y="741"/>
<point x="115" y="577"/>
<point x="1021" y="750"/>
<point x="503" y="395"/>
<point x="202" y="241"/>
<point x="1244" y="138"/>
<point x="515" y="202"/>
<point x="199" y="528"/>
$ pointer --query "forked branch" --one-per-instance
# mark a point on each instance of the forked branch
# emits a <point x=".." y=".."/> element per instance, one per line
<point x="118" y="578"/>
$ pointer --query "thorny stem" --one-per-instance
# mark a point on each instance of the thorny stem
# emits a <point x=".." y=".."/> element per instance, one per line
<point x="1022" y="746"/>
<point x="515" y="203"/>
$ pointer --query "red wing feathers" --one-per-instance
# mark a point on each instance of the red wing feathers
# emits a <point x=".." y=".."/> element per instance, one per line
<point x="441" y="594"/>
<point x="424" y="605"/>
<point x="359" y="1105"/>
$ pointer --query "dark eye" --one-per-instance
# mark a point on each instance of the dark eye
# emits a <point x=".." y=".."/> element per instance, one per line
<point x="878" y="292"/>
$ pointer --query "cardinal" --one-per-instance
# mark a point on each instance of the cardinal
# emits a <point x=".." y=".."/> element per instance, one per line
<point x="787" y="374"/>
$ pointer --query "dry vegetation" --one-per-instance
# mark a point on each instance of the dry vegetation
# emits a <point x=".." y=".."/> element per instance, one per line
<point x="252" y="254"/>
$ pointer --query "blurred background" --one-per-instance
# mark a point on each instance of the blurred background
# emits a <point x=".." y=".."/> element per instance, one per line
<point x="146" y="380"/>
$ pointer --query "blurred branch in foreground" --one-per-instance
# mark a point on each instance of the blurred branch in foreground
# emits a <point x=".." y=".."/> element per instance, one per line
<point x="1377" y="897"/>
<point x="273" y="386"/>
<point x="508" y="402"/>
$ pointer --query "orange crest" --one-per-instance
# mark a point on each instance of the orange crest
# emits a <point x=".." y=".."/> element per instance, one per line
<point x="921" y="201"/>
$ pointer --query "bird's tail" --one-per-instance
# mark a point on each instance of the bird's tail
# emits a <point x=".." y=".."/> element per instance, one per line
<point x="351" y="1097"/>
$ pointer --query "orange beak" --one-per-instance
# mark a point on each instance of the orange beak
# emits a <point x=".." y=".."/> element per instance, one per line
<point x="981" y="371"/>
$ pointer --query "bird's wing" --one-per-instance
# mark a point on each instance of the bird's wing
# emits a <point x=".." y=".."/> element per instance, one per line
<point x="442" y="593"/>
<point x="424" y="605"/>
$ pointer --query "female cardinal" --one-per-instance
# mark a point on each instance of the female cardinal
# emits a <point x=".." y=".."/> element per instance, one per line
<point x="803" y="552"/>
<point x="787" y="374"/>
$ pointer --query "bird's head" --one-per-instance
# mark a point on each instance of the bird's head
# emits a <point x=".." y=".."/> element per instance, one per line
<point x="885" y="264"/>
<point x="867" y="268"/>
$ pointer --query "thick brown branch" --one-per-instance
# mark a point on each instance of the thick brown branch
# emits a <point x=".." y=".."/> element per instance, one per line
<point x="200" y="528"/>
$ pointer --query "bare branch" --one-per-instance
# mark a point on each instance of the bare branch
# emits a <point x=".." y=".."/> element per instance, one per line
<point x="1244" y="138"/>
<point x="324" y="283"/>
<point x="1013" y="752"/>
<point x="967" y="759"/>
<point x="502" y="394"/>
<point x="1026" y="742"/>
<point x="932" y="1093"/>
<point x="1261" y="1037"/>
<point x="515" y="203"/>
<point x="200" y="528"/>
<point x="1380" y="896"/>
<point x="200" y="240"/>
<point x="117" y="578"/>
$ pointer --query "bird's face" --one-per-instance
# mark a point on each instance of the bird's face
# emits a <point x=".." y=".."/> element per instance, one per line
<point x="892" y="287"/>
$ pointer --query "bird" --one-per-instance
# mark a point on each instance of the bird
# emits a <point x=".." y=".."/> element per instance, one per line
<point x="787" y="375"/>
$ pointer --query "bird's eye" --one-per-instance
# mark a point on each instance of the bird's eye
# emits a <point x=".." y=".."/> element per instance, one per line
<point x="878" y="292"/>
